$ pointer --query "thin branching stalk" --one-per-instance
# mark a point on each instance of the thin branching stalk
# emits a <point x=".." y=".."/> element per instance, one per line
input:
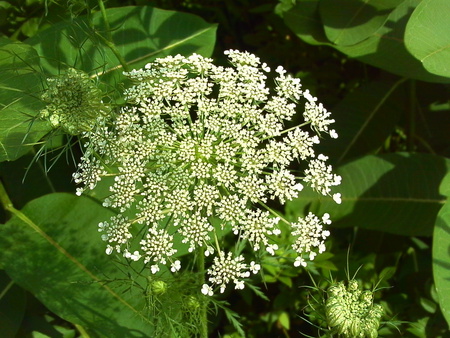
<point x="204" y="304"/>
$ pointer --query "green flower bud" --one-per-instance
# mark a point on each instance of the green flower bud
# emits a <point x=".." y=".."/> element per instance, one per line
<point x="372" y="332"/>
<point x="350" y="311"/>
<point x="158" y="287"/>
<point x="355" y="328"/>
<point x="192" y="303"/>
<point x="74" y="103"/>
<point x="366" y="297"/>
<point x="352" y="285"/>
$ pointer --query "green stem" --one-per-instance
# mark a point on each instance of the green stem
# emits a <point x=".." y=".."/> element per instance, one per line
<point x="108" y="41"/>
<point x="204" y="304"/>
<point x="82" y="331"/>
<point x="6" y="289"/>
<point x="5" y="201"/>
<point x="105" y="19"/>
<point x="411" y="124"/>
<point x="273" y="212"/>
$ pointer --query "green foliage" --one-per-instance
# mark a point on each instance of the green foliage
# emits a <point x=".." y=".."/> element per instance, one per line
<point x="427" y="38"/>
<point x="362" y="19"/>
<point x="139" y="34"/>
<point x="395" y="193"/>
<point x="441" y="252"/>
<point x="79" y="282"/>
<point x="20" y="83"/>
<point x="370" y="31"/>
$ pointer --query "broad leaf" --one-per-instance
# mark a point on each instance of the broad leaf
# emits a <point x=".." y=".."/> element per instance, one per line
<point x="55" y="252"/>
<point x="427" y="35"/>
<point x="396" y="193"/>
<point x="441" y="252"/>
<point x="141" y="34"/>
<point x="364" y="119"/>
<point x="20" y="89"/>
<point x="304" y="20"/>
<point x="385" y="48"/>
<point x="348" y="22"/>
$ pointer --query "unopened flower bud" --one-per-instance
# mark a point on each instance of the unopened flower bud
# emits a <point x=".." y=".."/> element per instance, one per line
<point x="158" y="287"/>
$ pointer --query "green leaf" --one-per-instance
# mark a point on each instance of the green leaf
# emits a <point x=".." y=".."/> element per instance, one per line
<point x="396" y="193"/>
<point x="304" y="19"/>
<point x="20" y="89"/>
<point x="53" y="250"/>
<point x="348" y="22"/>
<point x="441" y="252"/>
<point x="428" y="305"/>
<point x="387" y="273"/>
<point x="284" y="320"/>
<point x="140" y="34"/>
<point x="427" y="35"/>
<point x="364" y="119"/>
<point x="384" y="49"/>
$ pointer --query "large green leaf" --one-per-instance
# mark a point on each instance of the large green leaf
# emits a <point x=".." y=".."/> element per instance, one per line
<point x="385" y="48"/>
<point x="441" y="252"/>
<point x="364" y="119"/>
<point x="20" y="88"/>
<point x="304" y="20"/>
<point x="396" y="193"/>
<point x="427" y="35"/>
<point x="141" y="34"/>
<point x="54" y="251"/>
<point x="348" y="22"/>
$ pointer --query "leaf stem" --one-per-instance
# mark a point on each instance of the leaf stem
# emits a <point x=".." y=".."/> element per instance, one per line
<point x="82" y="331"/>
<point x="411" y="124"/>
<point x="108" y="41"/>
<point x="5" y="200"/>
<point x="203" y="304"/>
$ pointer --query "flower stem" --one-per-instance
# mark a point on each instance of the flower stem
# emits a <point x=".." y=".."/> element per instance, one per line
<point x="108" y="41"/>
<point x="203" y="304"/>
<point x="4" y="200"/>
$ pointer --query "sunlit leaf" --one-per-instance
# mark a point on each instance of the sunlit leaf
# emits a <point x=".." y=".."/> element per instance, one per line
<point x="20" y="89"/>
<point x="385" y="48"/>
<point x="348" y="22"/>
<point x="441" y="252"/>
<point x="54" y="251"/>
<point x="427" y="35"/>
<point x="140" y="34"/>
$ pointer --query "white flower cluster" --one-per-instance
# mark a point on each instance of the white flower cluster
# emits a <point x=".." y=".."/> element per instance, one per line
<point x="200" y="142"/>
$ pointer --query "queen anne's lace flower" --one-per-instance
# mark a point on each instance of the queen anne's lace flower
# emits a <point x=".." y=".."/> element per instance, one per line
<point x="309" y="236"/>
<point x="116" y="232"/>
<point x="197" y="152"/>
<point x="226" y="269"/>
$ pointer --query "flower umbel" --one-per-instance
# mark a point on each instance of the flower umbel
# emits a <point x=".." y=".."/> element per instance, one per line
<point x="351" y="312"/>
<point x="73" y="102"/>
<point x="198" y="143"/>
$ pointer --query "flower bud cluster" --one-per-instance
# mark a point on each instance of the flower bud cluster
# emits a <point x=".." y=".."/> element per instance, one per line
<point x="351" y="312"/>
<point x="199" y="142"/>
<point x="74" y="102"/>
